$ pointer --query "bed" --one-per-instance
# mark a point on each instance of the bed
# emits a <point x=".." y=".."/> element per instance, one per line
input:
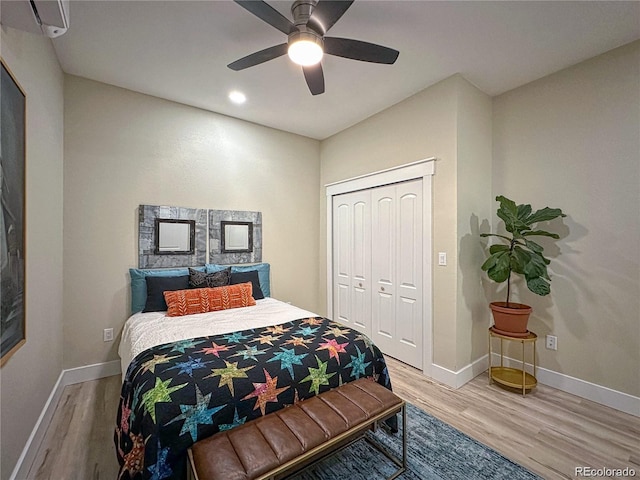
<point x="188" y="377"/>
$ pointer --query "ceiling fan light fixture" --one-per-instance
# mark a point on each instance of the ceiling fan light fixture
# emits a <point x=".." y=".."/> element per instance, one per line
<point x="305" y="48"/>
<point x="306" y="39"/>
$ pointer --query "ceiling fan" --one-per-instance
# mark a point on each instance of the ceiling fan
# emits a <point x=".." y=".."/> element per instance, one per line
<point x="306" y="39"/>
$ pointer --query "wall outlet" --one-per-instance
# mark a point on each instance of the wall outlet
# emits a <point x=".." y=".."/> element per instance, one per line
<point x="552" y="342"/>
<point x="107" y="335"/>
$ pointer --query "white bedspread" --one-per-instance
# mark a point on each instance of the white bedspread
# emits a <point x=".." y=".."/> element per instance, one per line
<point x="145" y="330"/>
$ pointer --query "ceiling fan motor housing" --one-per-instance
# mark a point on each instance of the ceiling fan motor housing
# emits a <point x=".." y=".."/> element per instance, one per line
<point x="307" y="35"/>
<point x="301" y="11"/>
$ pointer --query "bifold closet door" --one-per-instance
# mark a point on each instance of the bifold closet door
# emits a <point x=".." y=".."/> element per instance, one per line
<point x="396" y="270"/>
<point x="352" y="260"/>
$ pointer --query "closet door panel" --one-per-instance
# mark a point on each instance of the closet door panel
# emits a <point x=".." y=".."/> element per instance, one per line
<point x="409" y="258"/>
<point x="408" y="309"/>
<point x="383" y="267"/>
<point x="342" y="304"/>
<point x="352" y="260"/>
<point x="342" y="259"/>
<point x="361" y="262"/>
<point x="341" y="240"/>
<point x="409" y="233"/>
<point x="384" y="323"/>
<point x="383" y="236"/>
<point x="361" y="250"/>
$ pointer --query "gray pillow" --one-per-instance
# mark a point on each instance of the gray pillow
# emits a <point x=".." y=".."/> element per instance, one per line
<point x="209" y="280"/>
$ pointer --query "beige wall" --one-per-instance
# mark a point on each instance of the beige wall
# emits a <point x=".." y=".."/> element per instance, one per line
<point x="30" y="374"/>
<point x="427" y="125"/>
<point x="572" y="140"/>
<point x="474" y="212"/>
<point x="123" y="149"/>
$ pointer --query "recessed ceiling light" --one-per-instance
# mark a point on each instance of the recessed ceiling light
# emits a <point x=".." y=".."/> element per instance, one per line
<point x="237" y="97"/>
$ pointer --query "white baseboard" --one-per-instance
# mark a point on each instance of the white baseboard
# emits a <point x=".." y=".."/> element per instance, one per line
<point x="462" y="376"/>
<point x="67" y="377"/>
<point x="91" y="372"/>
<point x="30" y="449"/>
<point x="596" y="393"/>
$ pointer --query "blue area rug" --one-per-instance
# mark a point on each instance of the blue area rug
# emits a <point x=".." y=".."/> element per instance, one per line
<point x="435" y="450"/>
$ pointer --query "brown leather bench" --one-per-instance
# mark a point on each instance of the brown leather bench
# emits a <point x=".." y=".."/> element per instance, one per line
<point x="290" y="439"/>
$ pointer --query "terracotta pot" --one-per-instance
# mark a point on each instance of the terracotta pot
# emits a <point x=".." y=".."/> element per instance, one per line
<point x="510" y="321"/>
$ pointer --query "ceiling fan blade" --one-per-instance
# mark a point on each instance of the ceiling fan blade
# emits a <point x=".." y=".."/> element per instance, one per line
<point x="315" y="78"/>
<point x="259" y="57"/>
<point x="327" y="13"/>
<point x="359" y="50"/>
<point x="267" y="13"/>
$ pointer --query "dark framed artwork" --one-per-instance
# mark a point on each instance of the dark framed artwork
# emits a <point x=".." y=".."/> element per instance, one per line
<point x="170" y="236"/>
<point x="12" y="221"/>
<point x="237" y="237"/>
<point x="175" y="237"/>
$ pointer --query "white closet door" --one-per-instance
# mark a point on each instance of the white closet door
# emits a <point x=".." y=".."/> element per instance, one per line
<point x="342" y="212"/>
<point x="409" y="303"/>
<point x="352" y="260"/>
<point x="383" y="269"/>
<point x="396" y="248"/>
<point x="361" y="262"/>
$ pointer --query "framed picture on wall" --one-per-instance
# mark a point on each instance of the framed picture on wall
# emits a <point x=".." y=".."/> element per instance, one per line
<point x="12" y="203"/>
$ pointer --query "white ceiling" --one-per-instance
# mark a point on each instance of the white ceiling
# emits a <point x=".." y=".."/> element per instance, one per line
<point x="179" y="50"/>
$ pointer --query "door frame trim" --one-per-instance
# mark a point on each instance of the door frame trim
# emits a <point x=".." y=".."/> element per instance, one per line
<point x="424" y="169"/>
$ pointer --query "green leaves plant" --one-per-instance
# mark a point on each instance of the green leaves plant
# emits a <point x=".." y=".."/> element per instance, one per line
<point x="533" y="246"/>
<point x="498" y="248"/>
<point x="544" y="215"/>
<point x="539" y="286"/>
<point x="536" y="267"/>
<point x="497" y="266"/>
<point x="520" y="254"/>
<point x="541" y="233"/>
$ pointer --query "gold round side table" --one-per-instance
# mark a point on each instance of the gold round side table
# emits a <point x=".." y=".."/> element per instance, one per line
<point x="513" y="377"/>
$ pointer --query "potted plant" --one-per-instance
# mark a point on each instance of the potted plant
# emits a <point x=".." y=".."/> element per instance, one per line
<point x="519" y="255"/>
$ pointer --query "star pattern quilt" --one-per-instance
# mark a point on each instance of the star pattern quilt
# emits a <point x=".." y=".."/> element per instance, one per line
<point x="178" y="393"/>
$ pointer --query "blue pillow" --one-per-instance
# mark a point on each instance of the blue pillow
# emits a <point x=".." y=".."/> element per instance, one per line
<point x="139" y="283"/>
<point x="214" y="267"/>
<point x="263" y="270"/>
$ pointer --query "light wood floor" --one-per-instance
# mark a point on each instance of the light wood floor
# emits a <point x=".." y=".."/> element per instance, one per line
<point x="79" y="444"/>
<point x="548" y="431"/>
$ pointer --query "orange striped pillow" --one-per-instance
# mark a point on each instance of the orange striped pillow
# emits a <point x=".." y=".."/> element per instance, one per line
<point x="201" y="300"/>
